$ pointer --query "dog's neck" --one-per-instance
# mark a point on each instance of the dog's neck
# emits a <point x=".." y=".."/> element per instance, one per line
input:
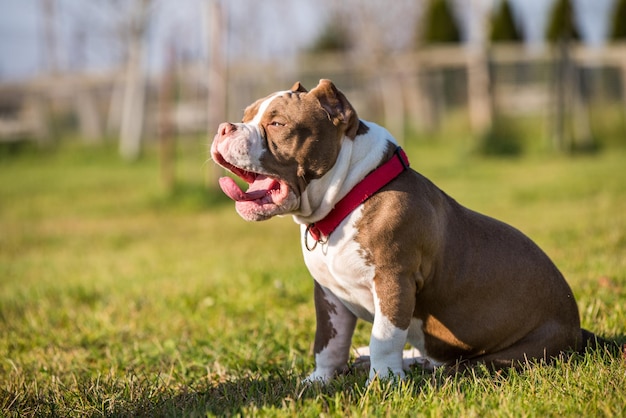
<point x="357" y="157"/>
<point x="366" y="188"/>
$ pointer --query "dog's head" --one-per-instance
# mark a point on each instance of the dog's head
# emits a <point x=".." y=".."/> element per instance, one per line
<point x="284" y="142"/>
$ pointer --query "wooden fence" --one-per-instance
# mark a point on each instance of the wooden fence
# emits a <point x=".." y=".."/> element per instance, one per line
<point x="401" y="91"/>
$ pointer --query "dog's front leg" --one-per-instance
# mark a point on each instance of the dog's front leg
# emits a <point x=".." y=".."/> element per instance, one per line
<point x="333" y="335"/>
<point x="388" y="337"/>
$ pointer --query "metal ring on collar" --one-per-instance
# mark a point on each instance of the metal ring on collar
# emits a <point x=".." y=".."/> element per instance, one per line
<point x="306" y="240"/>
<point x="321" y="240"/>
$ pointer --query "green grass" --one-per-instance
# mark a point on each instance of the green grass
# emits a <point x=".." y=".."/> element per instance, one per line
<point x="119" y="299"/>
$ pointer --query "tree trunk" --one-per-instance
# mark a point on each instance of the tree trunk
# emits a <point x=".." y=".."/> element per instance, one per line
<point x="166" y="125"/>
<point x="134" y="93"/>
<point x="88" y="115"/>
<point x="216" y="78"/>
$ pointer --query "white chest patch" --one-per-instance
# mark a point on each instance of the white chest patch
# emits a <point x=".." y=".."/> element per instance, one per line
<point x="340" y="266"/>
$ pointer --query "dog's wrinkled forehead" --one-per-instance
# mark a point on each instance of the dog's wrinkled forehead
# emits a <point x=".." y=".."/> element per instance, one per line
<point x="254" y="113"/>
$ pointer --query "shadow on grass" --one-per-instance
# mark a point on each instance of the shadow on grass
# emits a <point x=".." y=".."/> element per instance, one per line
<point x="137" y="395"/>
<point x="240" y="396"/>
<point x="232" y="397"/>
<point x="277" y="391"/>
<point x="243" y="396"/>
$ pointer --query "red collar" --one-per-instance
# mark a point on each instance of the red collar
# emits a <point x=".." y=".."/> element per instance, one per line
<point x="373" y="182"/>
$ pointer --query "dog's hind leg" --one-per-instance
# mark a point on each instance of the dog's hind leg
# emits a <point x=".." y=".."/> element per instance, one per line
<point x="543" y="344"/>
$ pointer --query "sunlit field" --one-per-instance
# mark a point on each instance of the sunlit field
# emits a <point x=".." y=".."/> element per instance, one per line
<point x="118" y="298"/>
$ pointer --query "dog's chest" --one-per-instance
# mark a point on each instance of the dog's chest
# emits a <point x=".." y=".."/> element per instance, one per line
<point x="340" y="265"/>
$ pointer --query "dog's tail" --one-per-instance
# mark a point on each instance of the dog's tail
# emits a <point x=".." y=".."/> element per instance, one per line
<point x="591" y="341"/>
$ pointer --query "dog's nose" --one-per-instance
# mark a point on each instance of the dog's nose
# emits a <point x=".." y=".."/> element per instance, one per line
<point x="226" y="128"/>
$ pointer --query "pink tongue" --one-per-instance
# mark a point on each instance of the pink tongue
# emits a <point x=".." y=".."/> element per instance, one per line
<point x="259" y="188"/>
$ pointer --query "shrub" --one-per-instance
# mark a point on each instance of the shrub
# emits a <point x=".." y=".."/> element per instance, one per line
<point x="502" y="139"/>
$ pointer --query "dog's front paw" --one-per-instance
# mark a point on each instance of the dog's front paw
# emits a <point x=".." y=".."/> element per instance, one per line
<point x="319" y="376"/>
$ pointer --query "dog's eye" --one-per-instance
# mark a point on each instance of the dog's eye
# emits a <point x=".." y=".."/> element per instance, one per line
<point x="276" y="123"/>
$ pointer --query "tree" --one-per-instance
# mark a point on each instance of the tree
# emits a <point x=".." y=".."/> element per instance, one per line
<point x="618" y="28"/>
<point x="561" y="31"/>
<point x="503" y="27"/>
<point x="562" y="26"/>
<point x="439" y="23"/>
<point x="335" y="37"/>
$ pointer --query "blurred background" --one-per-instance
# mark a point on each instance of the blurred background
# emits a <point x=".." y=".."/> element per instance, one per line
<point x="140" y="72"/>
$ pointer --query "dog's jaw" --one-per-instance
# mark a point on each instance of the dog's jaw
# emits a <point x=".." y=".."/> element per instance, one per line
<point x="237" y="148"/>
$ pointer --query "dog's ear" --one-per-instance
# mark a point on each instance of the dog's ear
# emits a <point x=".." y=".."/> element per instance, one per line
<point x="297" y="87"/>
<point x="339" y="109"/>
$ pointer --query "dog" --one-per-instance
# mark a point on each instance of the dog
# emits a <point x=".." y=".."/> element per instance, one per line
<point x="386" y="245"/>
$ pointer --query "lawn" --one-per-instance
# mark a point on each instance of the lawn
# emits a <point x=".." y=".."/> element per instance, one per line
<point x="118" y="298"/>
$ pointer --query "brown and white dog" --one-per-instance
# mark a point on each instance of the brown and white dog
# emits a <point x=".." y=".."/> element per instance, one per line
<point x="384" y="244"/>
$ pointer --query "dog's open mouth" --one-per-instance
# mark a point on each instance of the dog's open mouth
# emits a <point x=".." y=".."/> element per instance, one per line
<point x="262" y="188"/>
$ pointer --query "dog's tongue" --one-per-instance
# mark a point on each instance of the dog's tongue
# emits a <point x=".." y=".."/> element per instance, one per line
<point x="259" y="188"/>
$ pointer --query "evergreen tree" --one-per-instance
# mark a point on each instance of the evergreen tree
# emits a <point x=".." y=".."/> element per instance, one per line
<point x="618" y="29"/>
<point x="439" y="23"/>
<point x="333" y="38"/>
<point x="503" y="28"/>
<point x="562" y="25"/>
